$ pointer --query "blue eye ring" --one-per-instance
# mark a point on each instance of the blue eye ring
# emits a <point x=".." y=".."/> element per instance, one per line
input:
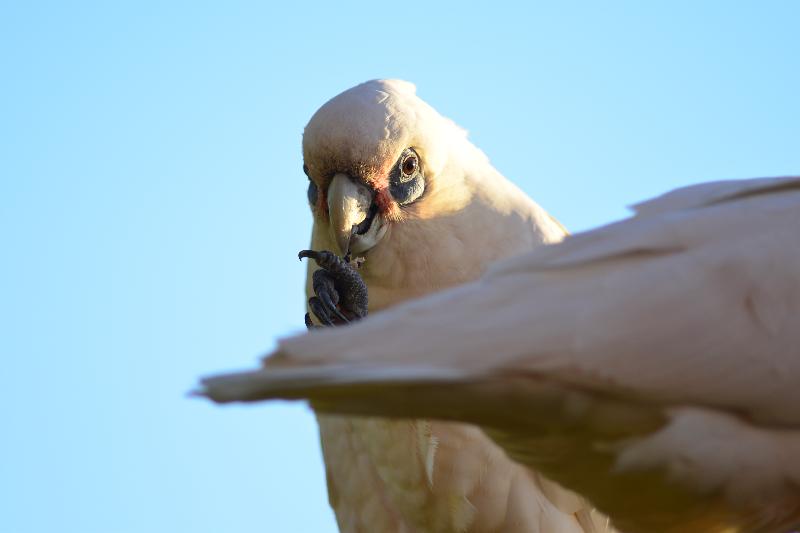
<point x="312" y="193"/>
<point x="406" y="181"/>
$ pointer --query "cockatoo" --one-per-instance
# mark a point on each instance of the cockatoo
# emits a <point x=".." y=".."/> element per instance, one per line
<point x="394" y="182"/>
<point x="651" y="365"/>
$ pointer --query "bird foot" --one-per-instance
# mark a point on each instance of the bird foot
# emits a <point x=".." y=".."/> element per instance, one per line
<point x="340" y="292"/>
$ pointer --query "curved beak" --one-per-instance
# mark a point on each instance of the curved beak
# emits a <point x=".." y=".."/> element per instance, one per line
<point x="348" y="206"/>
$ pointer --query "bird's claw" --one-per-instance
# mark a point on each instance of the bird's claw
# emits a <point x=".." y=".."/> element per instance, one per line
<point x="340" y="292"/>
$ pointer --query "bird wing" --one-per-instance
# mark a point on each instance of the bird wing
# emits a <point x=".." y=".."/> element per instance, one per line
<point x="658" y="337"/>
<point x="671" y="307"/>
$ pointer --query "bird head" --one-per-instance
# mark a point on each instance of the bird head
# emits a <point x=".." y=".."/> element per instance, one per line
<point x="392" y="180"/>
<point x="372" y="155"/>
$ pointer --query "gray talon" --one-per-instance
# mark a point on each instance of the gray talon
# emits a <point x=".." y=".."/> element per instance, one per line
<point x="340" y="291"/>
<point x="331" y="307"/>
<point x="318" y="308"/>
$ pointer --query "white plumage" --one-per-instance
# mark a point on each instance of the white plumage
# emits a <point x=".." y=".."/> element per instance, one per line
<point x="438" y="223"/>
<point x="651" y="365"/>
<point x="422" y="476"/>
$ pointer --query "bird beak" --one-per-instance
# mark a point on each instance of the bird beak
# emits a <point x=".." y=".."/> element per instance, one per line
<point x="348" y="206"/>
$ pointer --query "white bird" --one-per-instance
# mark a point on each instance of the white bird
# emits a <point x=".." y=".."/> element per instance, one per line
<point x="393" y="181"/>
<point x="651" y="365"/>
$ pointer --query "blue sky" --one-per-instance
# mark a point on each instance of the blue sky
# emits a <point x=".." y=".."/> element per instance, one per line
<point x="152" y="203"/>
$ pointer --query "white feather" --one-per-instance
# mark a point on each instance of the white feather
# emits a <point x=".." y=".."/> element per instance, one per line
<point x="651" y="365"/>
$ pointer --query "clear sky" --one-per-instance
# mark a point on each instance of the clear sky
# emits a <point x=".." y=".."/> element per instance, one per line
<point x="152" y="204"/>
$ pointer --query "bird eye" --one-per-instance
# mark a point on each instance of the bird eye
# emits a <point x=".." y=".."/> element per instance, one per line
<point x="406" y="181"/>
<point x="410" y="164"/>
